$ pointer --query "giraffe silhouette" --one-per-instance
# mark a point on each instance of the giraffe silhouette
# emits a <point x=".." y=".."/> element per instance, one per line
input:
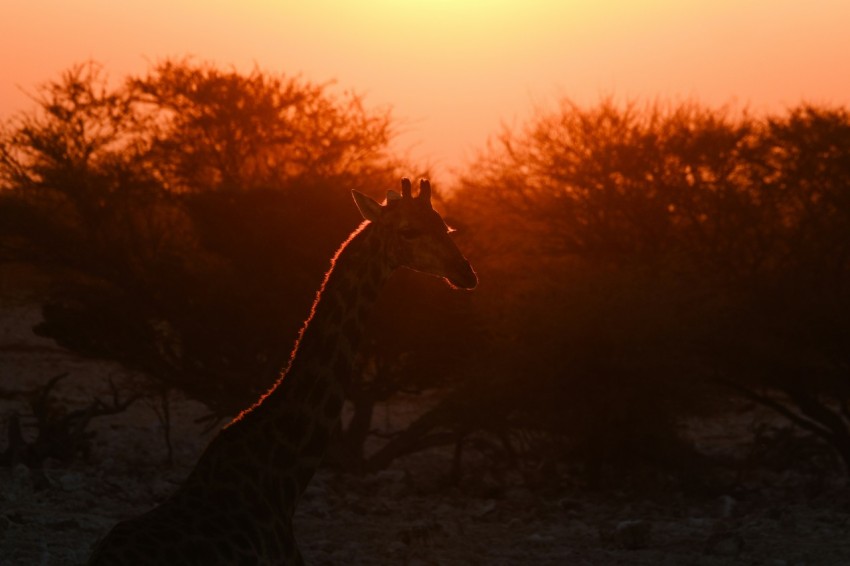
<point x="236" y="505"/>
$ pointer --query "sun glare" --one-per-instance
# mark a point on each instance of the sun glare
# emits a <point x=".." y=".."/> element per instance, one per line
<point x="439" y="8"/>
<point x="476" y="19"/>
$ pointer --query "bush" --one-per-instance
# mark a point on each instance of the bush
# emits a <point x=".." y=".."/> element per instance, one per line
<point x="198" y="208"/>
<point x="632" y="257"/>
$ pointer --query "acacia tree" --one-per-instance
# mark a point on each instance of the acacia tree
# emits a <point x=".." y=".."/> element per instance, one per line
<point x="631" y="258"/>
<point x="226" y="195"/>
<point x="208" y="202"/>
<point x="224" y="130"/>
<point x="574" y="224"/>
<point x="786" y="346"/>
<point x="75" y="157"/>
<point x="79" y="126"/>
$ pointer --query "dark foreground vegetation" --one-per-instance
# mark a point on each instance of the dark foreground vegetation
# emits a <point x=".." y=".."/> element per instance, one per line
<point x="640" y="266"/>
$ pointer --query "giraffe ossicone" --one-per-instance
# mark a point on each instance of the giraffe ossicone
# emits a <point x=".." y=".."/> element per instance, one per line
<point x="236" y="505"/>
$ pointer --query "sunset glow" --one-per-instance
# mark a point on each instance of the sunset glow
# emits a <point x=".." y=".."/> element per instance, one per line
<point x="236" y="326"/>
<point x="454" y="71"/>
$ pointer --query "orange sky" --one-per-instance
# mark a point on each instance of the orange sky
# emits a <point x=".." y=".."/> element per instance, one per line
<point x="454" y="70"/>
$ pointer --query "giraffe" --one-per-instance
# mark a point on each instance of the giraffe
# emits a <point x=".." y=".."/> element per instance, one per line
<point x="236" y="505"/>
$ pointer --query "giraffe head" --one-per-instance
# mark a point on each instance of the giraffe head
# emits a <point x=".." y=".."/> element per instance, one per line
<point x="415" y="236"/>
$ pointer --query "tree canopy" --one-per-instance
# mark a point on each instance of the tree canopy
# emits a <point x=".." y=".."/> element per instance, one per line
<point x="637" y="262"/>
<point x="641" y="255"/>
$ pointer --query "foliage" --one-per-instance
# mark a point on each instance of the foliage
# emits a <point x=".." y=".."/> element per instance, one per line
<point x="223" y="130"/>
<point x="632" y="258"/>
<point x="197" y="208"/>
<point x="637" y="263"/>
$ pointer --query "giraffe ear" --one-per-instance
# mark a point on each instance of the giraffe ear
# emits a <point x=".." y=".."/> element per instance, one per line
<point x="369" y="207"/>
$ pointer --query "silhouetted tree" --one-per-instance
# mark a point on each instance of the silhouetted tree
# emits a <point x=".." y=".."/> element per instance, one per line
<point x="631" y="256"/>
<point x="225" y="197"/>
<point x="225" y="130"/>
<point x="786" y="341"/>
<point x="202" y="206"/>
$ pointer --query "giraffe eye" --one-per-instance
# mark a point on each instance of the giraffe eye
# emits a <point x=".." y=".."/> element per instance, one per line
<point x="410" y="233"/>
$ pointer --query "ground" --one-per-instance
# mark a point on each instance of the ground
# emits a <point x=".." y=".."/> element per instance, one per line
<point x="405" y="515"/>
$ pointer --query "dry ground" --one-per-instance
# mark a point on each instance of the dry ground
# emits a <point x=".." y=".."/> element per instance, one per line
<point x="401" y="516"/>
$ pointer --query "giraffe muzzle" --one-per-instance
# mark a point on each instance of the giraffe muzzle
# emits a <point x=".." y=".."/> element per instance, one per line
<point x="464" y="277"/>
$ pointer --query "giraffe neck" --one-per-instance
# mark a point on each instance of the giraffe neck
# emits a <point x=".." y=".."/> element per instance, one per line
<point x="283" y="437"/>
<point x="323" y="358"/>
